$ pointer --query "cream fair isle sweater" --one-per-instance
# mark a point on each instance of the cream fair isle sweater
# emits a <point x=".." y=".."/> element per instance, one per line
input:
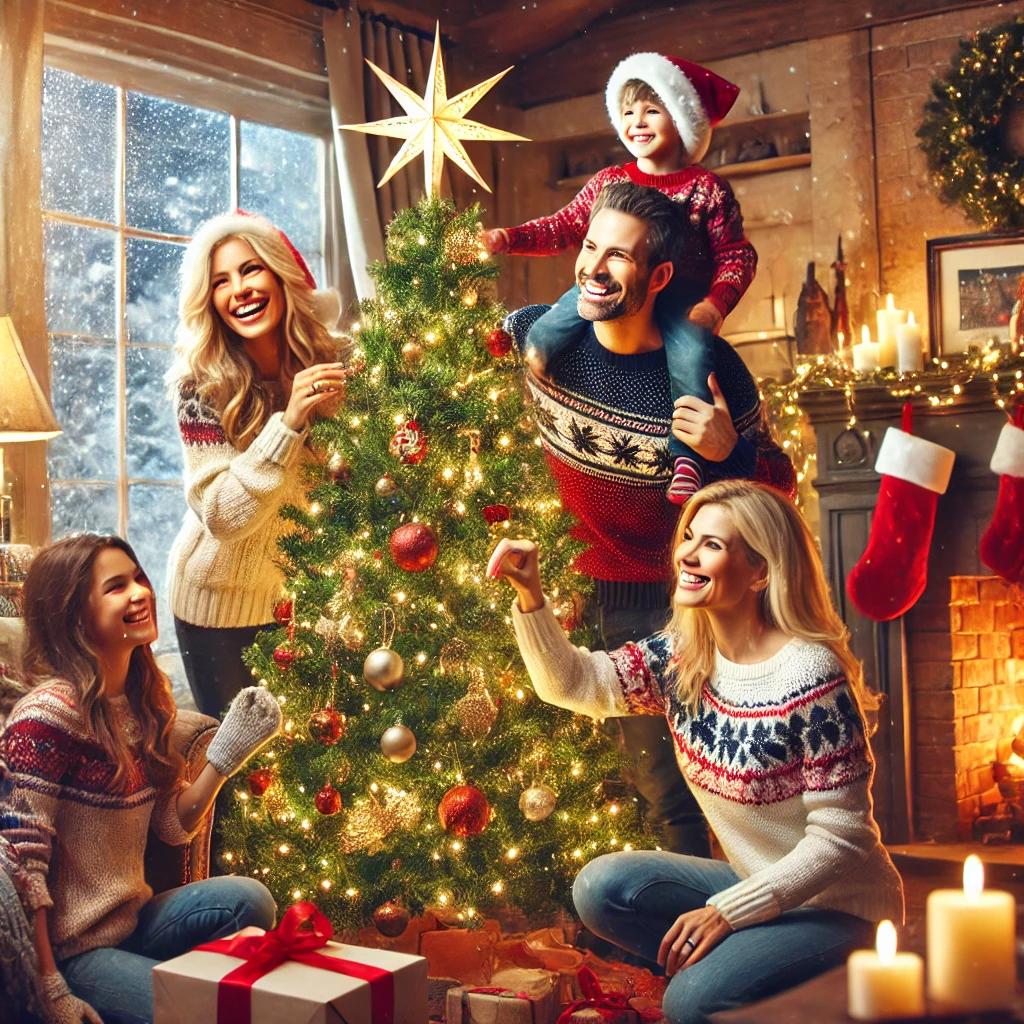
<point x="80" y="844"/>
<point x="775" y="755"/>
<point x="221" y="570"/>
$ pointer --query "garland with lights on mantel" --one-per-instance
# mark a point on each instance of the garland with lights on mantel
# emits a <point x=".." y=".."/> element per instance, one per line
<point x="944" y="381"/>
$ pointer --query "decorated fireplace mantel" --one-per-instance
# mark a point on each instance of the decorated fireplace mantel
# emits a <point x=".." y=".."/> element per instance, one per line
<point x="907" y="660"/>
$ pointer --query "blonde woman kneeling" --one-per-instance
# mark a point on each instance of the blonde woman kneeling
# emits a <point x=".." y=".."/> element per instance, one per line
<point x="766" y="705"/>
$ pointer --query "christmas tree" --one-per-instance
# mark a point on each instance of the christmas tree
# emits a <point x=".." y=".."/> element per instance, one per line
<point x="417" y="767"/>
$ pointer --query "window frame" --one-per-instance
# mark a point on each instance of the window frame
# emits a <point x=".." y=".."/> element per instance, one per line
<point x="277" y="107"/>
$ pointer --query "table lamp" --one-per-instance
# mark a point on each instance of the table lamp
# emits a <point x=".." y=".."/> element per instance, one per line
<point x="25" y="413"/>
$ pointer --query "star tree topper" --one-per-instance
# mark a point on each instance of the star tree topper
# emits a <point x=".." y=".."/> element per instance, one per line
<point x="435" y="124"/>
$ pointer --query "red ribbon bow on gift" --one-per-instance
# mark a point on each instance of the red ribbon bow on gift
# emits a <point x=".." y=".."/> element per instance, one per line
<point x="302" y="931"/>
<point x="608" y="1004"/>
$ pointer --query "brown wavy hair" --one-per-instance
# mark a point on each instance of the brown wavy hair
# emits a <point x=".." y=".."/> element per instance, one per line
<point x="797" y="599"/>
<point x="58" y="646"/>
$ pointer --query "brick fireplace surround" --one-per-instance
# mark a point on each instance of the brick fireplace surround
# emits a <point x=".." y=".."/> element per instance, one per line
<point x="951" y="671"/>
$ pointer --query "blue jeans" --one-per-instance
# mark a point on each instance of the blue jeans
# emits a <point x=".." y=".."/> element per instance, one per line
<point x="632" y="899"/>
<point x="118" y="982"/>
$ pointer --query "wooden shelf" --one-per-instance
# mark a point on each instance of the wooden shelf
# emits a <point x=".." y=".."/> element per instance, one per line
<point x="776" y="119"/>
<point x="774" y="163"/>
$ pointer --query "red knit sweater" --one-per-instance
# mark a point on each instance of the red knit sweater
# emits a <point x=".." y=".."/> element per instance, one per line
<point x="724" y="263"/>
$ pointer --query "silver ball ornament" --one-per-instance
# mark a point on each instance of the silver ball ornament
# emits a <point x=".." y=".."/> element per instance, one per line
<point x="398" y="744"/>
<point x="537" y="802"/>
<point x="383" y="669"/>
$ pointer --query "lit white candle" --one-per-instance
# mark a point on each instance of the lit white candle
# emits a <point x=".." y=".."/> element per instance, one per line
<point x="888" y="319"/>
<point x="882" y="984"/>
<point x="971" y="939"/>
<point x="910" y="350"/>
<point x="778" y="311"/>
<point x="865" y="355"/>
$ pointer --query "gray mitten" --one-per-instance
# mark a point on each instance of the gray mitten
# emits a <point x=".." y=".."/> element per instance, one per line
<point x="253" y="719"/>
<point x="63" y="1007"/>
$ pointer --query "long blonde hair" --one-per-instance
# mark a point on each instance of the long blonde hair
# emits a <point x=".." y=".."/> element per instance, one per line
<point x="796" y="599"/>
<point x="212" y="359"/>
<point x="57" y="645"/>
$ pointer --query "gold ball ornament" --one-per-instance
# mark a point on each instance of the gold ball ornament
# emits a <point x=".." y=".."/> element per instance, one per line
<point x="477" y="711"/>
<point x="462" y="246"/>
<point x="537" y="802"/>
<point x="391" y="919"/>
<point x="412" y="352"/>
<point x="384" y="669"/>
<point x="398" y="744"/>
<point x="385" y="487"/>
<point x="339" y="469"/>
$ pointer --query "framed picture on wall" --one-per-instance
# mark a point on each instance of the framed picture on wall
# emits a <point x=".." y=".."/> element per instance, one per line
<point x="973" y="281"/>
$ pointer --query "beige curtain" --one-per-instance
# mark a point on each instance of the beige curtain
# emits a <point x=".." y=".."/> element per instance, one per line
<point x="351" y="38"/>
<point x="22" y="272"/>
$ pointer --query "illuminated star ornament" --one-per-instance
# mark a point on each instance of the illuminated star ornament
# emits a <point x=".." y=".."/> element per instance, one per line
<point x="435" y="124"/>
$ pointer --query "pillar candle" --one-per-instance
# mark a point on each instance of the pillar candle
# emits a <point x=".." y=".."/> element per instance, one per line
<point x="888" y="319"/>
<point x="971" y="939"/>
<point x="909" y="347"/>
<point x="882" y="984"/>
<point x="865" y="355"/>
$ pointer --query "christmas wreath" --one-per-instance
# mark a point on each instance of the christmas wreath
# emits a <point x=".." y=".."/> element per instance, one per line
<point x="972" y="128"/>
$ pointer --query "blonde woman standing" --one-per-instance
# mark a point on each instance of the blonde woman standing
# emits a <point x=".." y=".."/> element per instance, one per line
<point x="256" y="360"/>
<point x="766" y="706"/>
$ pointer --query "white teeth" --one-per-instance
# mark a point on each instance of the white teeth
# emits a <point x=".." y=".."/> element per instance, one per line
<point x="689" y="578"/>
<point x="595" y="289"/>
<point x="249" y="308"/>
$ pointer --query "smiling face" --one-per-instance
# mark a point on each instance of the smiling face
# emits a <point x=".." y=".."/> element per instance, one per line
<point x="715" y="569"/>
<point x="611" y="269"/>
<point x="120" y="609"/>
<point x="650" y="131"/>
<point x="247" y="295"/>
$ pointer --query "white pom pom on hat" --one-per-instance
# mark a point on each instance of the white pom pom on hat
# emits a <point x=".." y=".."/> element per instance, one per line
<point x="326" y="301"/>
<point x="696" y="99"/>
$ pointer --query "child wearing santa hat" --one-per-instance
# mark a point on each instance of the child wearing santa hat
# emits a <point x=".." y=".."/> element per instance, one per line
<point x="664" y="109"/>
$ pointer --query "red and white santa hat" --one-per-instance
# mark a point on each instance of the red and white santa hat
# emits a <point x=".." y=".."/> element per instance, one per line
<point x="326" y="301"/>
<point x="696" y="99"/>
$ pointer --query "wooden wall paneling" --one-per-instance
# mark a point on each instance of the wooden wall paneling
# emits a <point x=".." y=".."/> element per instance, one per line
<point x="705" y="32"/>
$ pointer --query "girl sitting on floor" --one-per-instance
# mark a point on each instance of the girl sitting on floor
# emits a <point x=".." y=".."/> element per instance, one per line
<point x="767" y="705"/>
<point x="89" y="770"/>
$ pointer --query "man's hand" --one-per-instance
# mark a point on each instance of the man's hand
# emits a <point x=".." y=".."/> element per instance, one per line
<point x="707" y="429"/>
<point x="691" y="938"/>
<point x="706" y="314"/>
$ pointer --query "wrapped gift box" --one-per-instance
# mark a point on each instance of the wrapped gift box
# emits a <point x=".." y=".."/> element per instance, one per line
<point x="514" y="996"/>
<point x="185" y="989"/>
<point x="589" y="1015"/>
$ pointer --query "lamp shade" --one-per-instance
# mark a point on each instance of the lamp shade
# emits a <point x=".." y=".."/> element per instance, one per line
<point x="25" y="414"/>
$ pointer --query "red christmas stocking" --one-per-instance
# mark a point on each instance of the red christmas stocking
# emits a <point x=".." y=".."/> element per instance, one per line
<point x="1002" y="546"/>
<point x="892" y="573"/>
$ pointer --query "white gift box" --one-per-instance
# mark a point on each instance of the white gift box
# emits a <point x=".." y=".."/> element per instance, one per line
<point x="185" y="989"/>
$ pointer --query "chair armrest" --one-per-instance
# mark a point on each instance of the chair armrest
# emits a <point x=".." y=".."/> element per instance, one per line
<point x="171" y="866"/>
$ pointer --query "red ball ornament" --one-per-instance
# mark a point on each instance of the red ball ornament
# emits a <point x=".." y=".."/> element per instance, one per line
<point x="496" y="514"/>
<point x="391" y="919"/>
<point x="284" y="658"/>
<point x="283" y="612"/>
<point x="328" y="800"/>
<point x="409" y="444"/>
<point x="414" y="547"/>
<point x="259" y="781"/>
<point x="464" y="811"/>
<point x="499" y="343"/>
<point x="326" y="726"/>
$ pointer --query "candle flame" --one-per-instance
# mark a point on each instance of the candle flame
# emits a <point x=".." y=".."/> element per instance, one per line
<point x="910" y="318"/>
<point x="885" y="942"/>
<point x="974" y="877"/>
<point x="889" y="304"/>
<point x="865" y="334"/>
<point x="842" y="339"/>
